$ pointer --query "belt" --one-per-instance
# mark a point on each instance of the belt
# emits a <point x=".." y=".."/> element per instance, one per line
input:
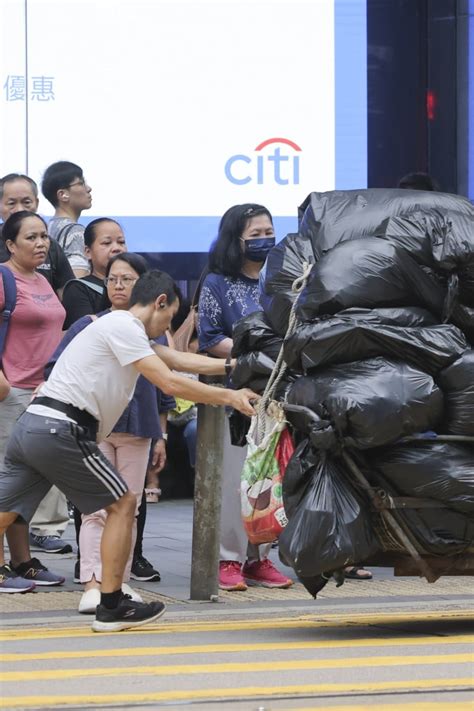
<point x="82" y="417"/>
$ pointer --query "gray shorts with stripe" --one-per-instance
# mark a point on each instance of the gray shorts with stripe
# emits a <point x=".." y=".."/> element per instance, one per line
<point x="43" y="451"/>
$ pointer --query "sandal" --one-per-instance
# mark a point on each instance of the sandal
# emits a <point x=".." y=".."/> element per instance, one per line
<point x="152" y="495"/>
<point x="354" y="573"/>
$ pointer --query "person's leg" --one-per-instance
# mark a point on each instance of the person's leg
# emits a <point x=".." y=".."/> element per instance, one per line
<point x="233" y="539"/>
<point x="89" y="540"/>
<point x="141" y="568"/>
<point x="21" y="489"/>
<point x="61" y="453"/>
<point x="131" y="460"/>
<point x="116" y="542"/>
<point x="51" y="517"/>
<point x="141" y="520"/>
<point x="90" y="535"/>
<point x="190" y="436"/>
<point x="11" y="408"/>
<point x="7" y="519"/>
<point x="18" y="543"/>
<point x="49" y="523"/>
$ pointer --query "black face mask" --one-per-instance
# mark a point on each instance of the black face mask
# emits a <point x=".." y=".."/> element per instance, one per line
<point x="256" y="250"/>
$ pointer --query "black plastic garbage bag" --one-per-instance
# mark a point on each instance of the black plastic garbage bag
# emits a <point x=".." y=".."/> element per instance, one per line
<point x="254" y="333"/>
<point x="410" y="231"/>
<point x="452" y="240"/>
<point x="368" y="403"/>
<point x="437" y="531"/>
<point x="284" y="264"/>
<point x="252" y="370"/>
<point x="341" y="215"/>
<point x="349" y="337"/>
<point x="443" y="471"/>
<point x="463" y="317"/>
<point x="368" y="273"/>
<point x="239" y="425"/>
<point x="328" y="520"/>
<point x="466" y="284"/>
<point x="457" y="384"/>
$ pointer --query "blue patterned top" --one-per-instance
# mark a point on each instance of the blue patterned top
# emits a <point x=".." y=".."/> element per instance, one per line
<point x="223" y="301"/>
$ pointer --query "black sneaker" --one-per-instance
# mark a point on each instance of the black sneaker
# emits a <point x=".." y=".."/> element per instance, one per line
<point x="143" y="570"/>
<point x="34" y="570"/>
<point x="127" y="614"/>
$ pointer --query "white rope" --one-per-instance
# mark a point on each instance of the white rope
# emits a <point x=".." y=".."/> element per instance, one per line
<point x="280" y="366"/>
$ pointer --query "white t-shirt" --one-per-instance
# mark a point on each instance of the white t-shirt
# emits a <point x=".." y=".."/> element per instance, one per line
<point x="95" y="371"/>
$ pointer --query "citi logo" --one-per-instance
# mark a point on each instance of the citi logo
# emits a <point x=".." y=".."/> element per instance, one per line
<point x="282" y="166"/>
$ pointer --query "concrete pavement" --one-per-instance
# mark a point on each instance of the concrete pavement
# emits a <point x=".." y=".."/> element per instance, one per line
<point x="167" y="545"/>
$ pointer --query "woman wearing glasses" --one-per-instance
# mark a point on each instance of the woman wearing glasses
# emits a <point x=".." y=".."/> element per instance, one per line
<point x="103" y="239"/>
<point x="128" y="446"/>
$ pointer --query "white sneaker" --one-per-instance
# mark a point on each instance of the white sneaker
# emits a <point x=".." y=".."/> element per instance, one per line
<point x="89" y="601"/>
<point x="127" y="590"/>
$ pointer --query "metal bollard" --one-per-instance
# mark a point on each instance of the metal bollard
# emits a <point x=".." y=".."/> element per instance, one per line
<point x="207" y="500"/>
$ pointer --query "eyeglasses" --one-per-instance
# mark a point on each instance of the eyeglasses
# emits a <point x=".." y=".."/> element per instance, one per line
<point x="125" y="280"/>
<point x="80" y="181"/>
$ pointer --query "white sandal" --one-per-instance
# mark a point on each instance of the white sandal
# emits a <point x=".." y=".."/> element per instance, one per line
<point x="152" y="495"/>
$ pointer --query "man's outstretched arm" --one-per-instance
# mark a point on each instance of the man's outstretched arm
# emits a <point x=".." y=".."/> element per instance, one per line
<point x="158" y="373"/>
<point x="190" y="362"/>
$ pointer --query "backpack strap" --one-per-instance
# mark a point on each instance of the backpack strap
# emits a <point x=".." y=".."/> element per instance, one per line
<point x="63" y="234"/>
<point x="9" y="290"/>
<point x="95" y="287"/>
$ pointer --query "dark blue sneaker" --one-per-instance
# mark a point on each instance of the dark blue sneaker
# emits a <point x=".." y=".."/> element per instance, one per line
<point x="49" y="544"/>
<point x="35" y="572"/>
<point x="10" y="582"/>
<point x="127" y="614"/>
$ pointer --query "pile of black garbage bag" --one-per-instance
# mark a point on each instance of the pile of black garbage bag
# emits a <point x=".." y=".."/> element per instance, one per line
<point x="380" y="367"/>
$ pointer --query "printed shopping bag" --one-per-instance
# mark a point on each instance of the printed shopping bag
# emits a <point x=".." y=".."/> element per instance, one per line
<point x="263" y="513"/>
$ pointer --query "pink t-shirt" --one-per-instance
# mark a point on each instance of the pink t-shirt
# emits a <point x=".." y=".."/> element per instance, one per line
<point x="34" y="330"/>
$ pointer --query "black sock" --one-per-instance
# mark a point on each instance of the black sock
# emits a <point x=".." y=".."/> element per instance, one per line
<point x="111" y="600"/>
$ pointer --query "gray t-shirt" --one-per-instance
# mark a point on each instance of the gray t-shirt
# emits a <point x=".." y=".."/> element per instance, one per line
<point x="70" y="235"/>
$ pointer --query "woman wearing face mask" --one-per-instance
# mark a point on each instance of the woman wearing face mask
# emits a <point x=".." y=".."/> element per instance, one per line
<point x="103" y="239"/>
<point x="128" y="446"/>
<point x="231" y="291"/>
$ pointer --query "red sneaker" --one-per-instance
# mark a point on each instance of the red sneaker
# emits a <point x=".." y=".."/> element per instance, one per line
<point x="230" y="575"/>
<point x="263" y="572"/>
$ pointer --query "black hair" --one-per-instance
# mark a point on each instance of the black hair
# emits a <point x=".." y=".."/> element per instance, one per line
<point x="136" y="261"/>
<point x="418" y="181"/>
<point x="12" y="225"/>
<point x="89" y="232"/>
<point x="226" y="255"/>
<point x="181" y="314"/>
<point x="151" y="285"/>
<point x="59" y="176"/>
<point x="12" y="177"/>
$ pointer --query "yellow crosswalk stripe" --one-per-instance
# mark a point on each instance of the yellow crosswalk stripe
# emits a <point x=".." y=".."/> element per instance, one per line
<point x="307" y="621"/>
<point x="237" y="667"/>
<point x="235" y="648"/>
<point x="237" y="692"/>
